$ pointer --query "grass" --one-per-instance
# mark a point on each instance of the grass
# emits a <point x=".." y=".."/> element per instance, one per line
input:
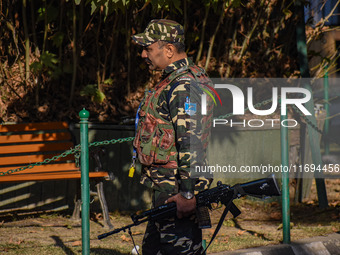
<point x="258" y="225"/>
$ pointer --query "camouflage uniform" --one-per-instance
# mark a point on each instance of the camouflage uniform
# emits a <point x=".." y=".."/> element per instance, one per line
<point x="173" y="235"/>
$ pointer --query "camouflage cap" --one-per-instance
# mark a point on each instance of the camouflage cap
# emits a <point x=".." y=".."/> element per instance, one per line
<point x="160" y="30"/>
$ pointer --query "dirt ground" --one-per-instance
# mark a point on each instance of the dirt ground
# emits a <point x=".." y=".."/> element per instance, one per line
<point x="259" y="224"/>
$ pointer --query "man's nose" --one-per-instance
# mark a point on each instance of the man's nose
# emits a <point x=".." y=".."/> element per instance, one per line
<point x="144" y="54"/>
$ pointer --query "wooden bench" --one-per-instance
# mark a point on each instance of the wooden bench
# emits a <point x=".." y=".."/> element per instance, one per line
<point x="25" y="144"/>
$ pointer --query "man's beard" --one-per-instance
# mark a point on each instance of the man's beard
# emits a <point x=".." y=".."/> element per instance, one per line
<point x="149" y="63"/>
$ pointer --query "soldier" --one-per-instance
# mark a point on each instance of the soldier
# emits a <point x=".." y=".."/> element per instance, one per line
<point x="171" y="137"/>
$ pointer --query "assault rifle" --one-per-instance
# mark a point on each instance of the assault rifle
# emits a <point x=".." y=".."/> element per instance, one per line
<point x="222" y="193"/>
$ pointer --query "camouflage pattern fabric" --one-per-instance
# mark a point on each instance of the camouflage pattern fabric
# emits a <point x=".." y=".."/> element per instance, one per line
<point x="173" y="235"/>
<point x="155" y="136"/>
<point x="160" y="29"/>
<point x="171" y="180"/>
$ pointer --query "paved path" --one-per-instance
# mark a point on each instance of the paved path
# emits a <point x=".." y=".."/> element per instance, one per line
<point x="323" y="245"/>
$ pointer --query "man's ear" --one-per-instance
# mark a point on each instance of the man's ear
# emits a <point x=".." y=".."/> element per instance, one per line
<point x="170" y="50"/>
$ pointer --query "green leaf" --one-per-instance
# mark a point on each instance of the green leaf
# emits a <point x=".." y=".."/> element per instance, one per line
<point x="47" y="62"/>
<point x="48" y="59"/>
<point x="93" y="7"/>
<point x="88" y="90"/>
<point x="36" y="67"/>
<point x="57" y="39"/>
<point x="108" y="81"/>
<point x="41" y="12"/>
<point x="106" y="10"/>
<point x="93" y="91"/>
<point x="98" y="97"/>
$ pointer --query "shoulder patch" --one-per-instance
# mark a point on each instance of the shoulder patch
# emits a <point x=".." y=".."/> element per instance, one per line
<point x="190" y="108"/>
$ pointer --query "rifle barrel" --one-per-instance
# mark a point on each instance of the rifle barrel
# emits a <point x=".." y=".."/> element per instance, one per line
<point x="117" y="230"/>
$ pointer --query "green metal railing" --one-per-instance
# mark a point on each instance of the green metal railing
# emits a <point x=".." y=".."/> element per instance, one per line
<point x="85" y="182"/>
<point x="285" y="181"/>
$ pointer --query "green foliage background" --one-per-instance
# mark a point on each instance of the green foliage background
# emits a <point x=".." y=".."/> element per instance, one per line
<point x="60" y="56"/>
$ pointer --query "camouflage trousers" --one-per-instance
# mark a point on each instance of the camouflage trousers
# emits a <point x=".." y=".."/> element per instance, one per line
<point x="172" y="236"/>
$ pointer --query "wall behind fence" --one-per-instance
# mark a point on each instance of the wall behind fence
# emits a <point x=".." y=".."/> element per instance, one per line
<point x="240" y="147"/>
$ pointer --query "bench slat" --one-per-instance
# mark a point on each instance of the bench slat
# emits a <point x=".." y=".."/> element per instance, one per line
<point x="24" y="138"/>
<point x="33" y="126"/>
<point x="51" y="176"/>
<point x="36" y="147"/>
<point x="44" y="168"/>
<point x="29" y="159"/>
<point x="23" y="144"/>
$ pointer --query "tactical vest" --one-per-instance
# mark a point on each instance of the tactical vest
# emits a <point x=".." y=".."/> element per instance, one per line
<point x="155" y="136"/>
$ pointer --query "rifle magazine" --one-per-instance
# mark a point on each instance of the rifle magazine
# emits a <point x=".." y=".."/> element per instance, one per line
<point x="203" y="217"/>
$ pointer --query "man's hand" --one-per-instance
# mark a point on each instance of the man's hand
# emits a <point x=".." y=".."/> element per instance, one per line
<point x="185" y="207"/>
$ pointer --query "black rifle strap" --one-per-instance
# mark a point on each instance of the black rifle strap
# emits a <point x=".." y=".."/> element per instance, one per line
<point x="229" y="205"/>
<point x="133" y="241"/>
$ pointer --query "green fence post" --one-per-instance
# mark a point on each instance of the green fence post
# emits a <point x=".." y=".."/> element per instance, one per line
<point x="204" y="244"/>
<point x="326" y="105"/>
<point x="285" y="181"/>
<point x="85" y="183"/>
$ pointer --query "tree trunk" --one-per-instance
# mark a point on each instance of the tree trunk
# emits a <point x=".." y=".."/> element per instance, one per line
<point x="27" y="42"/>
<point x="212" y="39"/>
<point x="204" y="24"/>
<point x="74" y="54"/>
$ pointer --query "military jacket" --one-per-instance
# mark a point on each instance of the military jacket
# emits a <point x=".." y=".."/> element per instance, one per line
<point x="176" y="107"/>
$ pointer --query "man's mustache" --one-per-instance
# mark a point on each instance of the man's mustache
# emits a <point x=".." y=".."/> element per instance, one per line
<point x="148" y="61"/>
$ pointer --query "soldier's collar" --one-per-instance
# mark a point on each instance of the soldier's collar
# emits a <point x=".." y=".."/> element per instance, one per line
<point x="177" y="65"/>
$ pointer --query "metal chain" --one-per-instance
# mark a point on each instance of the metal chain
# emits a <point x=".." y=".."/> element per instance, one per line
<point x="308" y="121"/>
<point x="76" y="150"/>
